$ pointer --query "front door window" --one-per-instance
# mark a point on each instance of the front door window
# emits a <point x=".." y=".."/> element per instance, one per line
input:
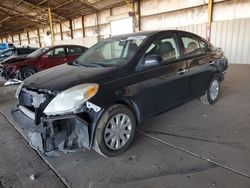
<point x="165" y="47"/>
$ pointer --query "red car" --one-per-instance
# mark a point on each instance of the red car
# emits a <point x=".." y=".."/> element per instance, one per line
<point x="41" y="59"/>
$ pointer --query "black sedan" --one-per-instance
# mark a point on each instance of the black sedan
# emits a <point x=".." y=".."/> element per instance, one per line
<point x="19" y="51"/>
<point x="98" y="100"/>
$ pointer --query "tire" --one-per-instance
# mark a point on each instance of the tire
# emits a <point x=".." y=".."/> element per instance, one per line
<point x="107" y="139"/>
<point x="213" y="91"/>
<point x="26" y="72"/>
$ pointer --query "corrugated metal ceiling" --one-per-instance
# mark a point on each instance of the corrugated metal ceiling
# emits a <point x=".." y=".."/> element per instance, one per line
<point x="17" y="15"/>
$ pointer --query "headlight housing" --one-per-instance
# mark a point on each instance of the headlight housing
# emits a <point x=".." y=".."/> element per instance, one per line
<point x="19" y="90"/>
<point x="71" y="99"/>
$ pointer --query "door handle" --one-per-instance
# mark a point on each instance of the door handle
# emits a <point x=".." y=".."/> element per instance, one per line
<point x="182" y="71"/>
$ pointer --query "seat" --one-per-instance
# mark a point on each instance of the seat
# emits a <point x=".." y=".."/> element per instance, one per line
<point x="192" y="46"/>
<point x="166" y="50"/>
<point x="61" y="53"/>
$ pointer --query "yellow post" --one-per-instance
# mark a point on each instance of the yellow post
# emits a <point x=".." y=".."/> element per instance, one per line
<point x="210" y="11"/>
<point x="51" y="27"/>
<point x="209" y="19"/>
<point x="133" y="10"/>
<point x="130" y="6"/>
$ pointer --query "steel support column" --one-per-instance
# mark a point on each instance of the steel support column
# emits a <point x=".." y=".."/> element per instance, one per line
<point x="83" y="28"/>
<point x="28" y="37"/>
<point x="19" y="37"/>
<point x="71" y="29"/>
<point x="39" y="38"/>
<point x="61" y="32"/>
<point x="209" y="19"/>
<point x="51" y="27"/>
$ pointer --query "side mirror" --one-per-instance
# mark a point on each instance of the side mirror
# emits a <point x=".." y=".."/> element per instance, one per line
<point x="152" y="60"/>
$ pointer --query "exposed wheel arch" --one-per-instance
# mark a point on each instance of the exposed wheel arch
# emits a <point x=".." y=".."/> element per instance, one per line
<point x="99" y="144"/>
<point x="131" y="105"/>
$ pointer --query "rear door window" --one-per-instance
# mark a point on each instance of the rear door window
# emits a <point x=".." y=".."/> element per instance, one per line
<point x="56" y="52"/>
<point x="193" y="46"/>
<point x="73" y="50"/>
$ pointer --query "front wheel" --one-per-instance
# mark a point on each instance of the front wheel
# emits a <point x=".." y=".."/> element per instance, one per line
<point x="26" y="72"/>
<point x="115" y="131"/>
<point x="213" y="91"/>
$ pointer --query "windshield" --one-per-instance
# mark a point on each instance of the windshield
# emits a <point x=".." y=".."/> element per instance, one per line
<point x="38" y="52"/>
<point x="112" y="51"/>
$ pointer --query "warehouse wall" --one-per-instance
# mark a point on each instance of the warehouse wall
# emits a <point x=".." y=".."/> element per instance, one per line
<point x="233" y="36"/>
<point x="230" y="26"/>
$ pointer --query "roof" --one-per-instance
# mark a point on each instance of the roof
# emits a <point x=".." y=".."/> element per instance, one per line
<point x="64" y="45"/>
<point x="17" y="15"/>
<point x="146" y="33"/>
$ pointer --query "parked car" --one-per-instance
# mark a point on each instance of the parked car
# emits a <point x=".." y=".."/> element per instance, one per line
<point x="97" y="100"/>
<point x="41" y="59"/>
<point x="5" y="45"/>
<point x="19" y="51"/>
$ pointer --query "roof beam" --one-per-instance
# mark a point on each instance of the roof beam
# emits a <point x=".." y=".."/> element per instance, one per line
<point x="89" y="5"/>
<point x="63" y="4"/>
<point x="14" y="14"/>
<point x="40" y="10"/>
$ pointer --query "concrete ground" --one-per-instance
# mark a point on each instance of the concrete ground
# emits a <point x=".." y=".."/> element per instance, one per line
<point x="193" y="145"/>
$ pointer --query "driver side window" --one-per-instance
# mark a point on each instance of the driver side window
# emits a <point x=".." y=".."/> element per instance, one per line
<point x="166" y="47"/>
<point x="56" y="52"/>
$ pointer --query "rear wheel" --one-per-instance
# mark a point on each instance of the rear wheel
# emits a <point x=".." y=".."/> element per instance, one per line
<point x="26" y="72"/>
<point x="213" y="91"/>
<point x="115" y="131"/>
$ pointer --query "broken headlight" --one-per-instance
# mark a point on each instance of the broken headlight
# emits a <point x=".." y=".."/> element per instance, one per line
<point x="19" y="90"/>
<point x="71" y="99"/>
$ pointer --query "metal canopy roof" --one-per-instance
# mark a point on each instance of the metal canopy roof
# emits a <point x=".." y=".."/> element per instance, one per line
<point x="17" y="15"/>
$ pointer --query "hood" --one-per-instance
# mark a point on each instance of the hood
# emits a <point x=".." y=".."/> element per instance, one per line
<point x="65" y="76"/>
<point x="13" y="59"/>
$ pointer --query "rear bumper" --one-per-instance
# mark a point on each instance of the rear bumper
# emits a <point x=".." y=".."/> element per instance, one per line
<point x="63" y="133"/>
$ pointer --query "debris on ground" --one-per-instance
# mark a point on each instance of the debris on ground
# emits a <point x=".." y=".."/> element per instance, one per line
<point x="32" y="177"/>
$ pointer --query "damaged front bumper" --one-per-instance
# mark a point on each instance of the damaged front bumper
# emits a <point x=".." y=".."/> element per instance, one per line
<point x="7" y="73"/>
<point x="63" y="133"/>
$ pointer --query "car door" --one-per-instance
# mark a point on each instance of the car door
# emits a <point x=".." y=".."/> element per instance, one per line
<point x="55" y="56"/>
<point x="199" y="65"/>
<point x="166" y="85"/>
<point x="73" y="52"/>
